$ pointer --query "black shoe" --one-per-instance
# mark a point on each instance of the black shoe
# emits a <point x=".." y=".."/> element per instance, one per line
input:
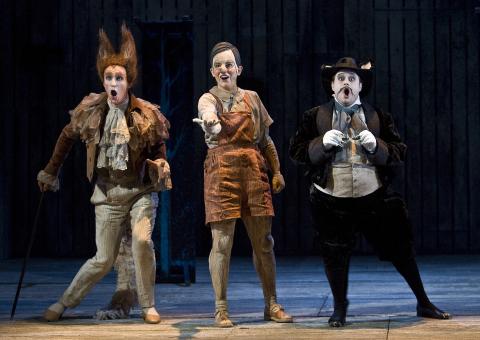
<point x="339" y="314"/>
<point x="432" y="312"/>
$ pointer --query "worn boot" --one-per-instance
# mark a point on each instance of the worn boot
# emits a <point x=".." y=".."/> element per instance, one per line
<point x="336" y="268"/>
<point x="150" y="315"/>
<point x="339" y="314"/>
<point x="222" y="320"/>
<point x="54" y="312"/>
<point x="432" y="312"/>
<point x="409" y="270"/>
<point x="276" y="313"/>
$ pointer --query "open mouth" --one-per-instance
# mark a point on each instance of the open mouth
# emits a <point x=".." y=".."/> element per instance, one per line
<point x="224" y="77"/>
<point x="346" y="91"/>
<point x="113" y="93"/>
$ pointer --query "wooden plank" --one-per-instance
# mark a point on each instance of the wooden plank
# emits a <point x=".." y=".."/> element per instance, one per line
<point x="473" y="126"/>
<point x="459" y="76"/>
<point x="382" y="55"/>
<point x="412" y="136"/>
<point x="201" y="63"/>
<point x="229" y="21"/>
<point x="214" y="34"/>
<point x="22" y="90"/>
<point x="292" y="119"/>
<point x="153" y="11"/>
<point x="291" y="93"/>
<point x="396" y="73"/>
<point x="276" y="104"/>
<point x="7" y="66"/>
<point x="365" y="33"/>
<point x="259" y="43"/>
<point x="66" y="196"/>
<point x="245" y="38"/>
<point x="82" y="231"/>
<point x="139" y="16"/>
<point x="95" y="22"/>
<point x="320" y="50"/>
<point x="184" y="9"/>
<point x="428" y="135"/>
<point x="351" y="28"/>
<point x="443" y="121"/>
<point x="169" y="10"/>
<point x="200" y="85"/>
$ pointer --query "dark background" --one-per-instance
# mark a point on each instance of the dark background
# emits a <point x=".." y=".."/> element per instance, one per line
<point x="426" y="54"/>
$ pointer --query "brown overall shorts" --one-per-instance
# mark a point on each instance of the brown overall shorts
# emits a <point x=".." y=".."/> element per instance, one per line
<point x="235" y="173"/>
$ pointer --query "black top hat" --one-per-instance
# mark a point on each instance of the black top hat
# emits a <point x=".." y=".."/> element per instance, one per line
<point x="346" y="63"/>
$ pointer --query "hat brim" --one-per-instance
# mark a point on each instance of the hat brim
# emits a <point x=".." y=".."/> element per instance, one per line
<point x="328" y="71"/>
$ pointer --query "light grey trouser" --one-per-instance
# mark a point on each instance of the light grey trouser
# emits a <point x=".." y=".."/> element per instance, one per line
<point x="110" y="227"/>
<point x="259" y="231"/>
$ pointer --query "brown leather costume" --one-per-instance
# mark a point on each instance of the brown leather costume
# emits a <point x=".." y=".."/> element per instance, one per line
<point x="147" y="126"/>
<point x="236" y="181"/>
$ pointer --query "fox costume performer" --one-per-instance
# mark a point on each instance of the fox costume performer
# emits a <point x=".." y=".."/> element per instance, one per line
<point x="126" y="160"/>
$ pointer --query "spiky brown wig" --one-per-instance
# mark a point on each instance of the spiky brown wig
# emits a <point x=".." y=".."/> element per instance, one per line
<point x="127" y="57"/>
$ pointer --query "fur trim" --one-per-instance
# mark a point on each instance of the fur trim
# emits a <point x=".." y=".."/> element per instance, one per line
<point x="86" y="117"/>
<point x="124" y="264"/>
<point x="149" y="125"/>
<point x="120" y="306"/>
<point x="127" y="57"/>
<point x="51" y="180"/>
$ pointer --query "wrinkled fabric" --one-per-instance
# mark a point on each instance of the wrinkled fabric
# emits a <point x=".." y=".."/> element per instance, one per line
<point x="139" y="210"/>
<point x="235" y="172"/>
<point x="228" y="102"/>
<point x="148" y="130"/>
<point x="113" y="148"/>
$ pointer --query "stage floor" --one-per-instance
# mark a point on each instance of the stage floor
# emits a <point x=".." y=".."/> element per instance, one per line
<point x="381" y="304"/>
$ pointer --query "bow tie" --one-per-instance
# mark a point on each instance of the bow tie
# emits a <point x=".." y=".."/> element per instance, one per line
<point x="348" y="110"/>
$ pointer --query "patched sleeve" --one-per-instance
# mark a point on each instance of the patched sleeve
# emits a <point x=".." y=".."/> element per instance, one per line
<point x="206" y="105"/>
<point x="263" y="113"/>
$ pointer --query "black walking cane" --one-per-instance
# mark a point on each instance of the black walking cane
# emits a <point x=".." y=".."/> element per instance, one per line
<point x="27" y="255"/>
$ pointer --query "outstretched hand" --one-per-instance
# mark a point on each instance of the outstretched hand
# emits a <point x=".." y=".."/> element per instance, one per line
<point x="212" y="126"/>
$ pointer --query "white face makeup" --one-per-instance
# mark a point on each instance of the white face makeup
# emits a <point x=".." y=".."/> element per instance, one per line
<point x="115" y="84"/>
<point x="346" y="86"/>
<point x="225" y="70"/>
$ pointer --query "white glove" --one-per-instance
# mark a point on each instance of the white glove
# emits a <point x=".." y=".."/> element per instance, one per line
<point x="368" y="140"/>
<point x="332" y="139"/>
<point x="211" y="127"/>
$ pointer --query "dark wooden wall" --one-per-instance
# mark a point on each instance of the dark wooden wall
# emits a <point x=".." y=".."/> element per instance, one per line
<point x="426" y="54"/>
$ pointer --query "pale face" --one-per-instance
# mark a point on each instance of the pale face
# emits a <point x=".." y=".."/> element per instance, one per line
<point x="115" y="83"/>
<point x="225" y="70"/>
<point x="346" y="86"/>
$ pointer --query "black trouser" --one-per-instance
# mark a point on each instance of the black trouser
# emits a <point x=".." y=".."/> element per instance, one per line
<point x="383" y="220"/>
<point x="380" y="217"/>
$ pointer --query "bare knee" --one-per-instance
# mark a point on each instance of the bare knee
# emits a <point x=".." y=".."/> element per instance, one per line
<point x="267" y="243"/>
<point x="222" y="243"/>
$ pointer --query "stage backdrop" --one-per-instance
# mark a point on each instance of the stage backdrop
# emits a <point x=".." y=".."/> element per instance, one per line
<point x="426" y="55"/>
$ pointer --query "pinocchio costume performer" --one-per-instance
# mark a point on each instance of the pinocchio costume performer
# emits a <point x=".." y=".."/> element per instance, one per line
<point x="126" y="160"/>
<point x="236" y="183"/>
